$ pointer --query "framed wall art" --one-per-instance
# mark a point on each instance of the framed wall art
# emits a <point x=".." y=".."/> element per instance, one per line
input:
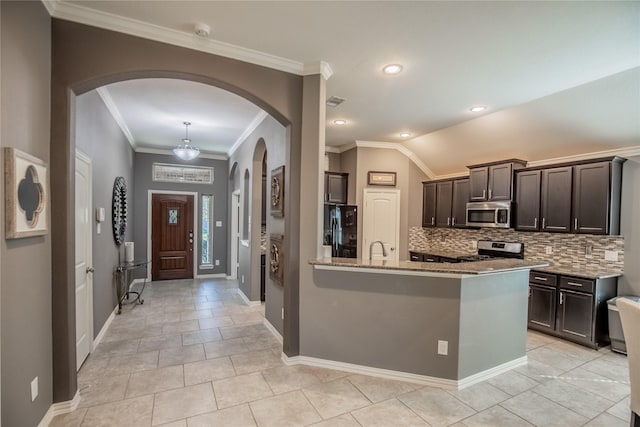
<point x="381" y="178"/>
<point x="277" y="192"/>
<point x="26" y="182"/>
<point x="276" y="258"/>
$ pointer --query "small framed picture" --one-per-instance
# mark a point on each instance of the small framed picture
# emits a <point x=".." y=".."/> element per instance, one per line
<point x="381" y="178"/>
<point x="26" y="182"/>
<point x="277" y="192"/>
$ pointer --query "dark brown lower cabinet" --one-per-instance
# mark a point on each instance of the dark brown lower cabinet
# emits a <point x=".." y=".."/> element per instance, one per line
<point x="542" y="307"/>
<point x="570" y="307"/>
<point x="575" y="315"/>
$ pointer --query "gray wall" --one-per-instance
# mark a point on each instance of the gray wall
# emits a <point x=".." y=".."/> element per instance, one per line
<point x="349" y="164"/>
<point x="25" y="295"/>
<point x="629" y="284"/>
<point x="143" y="165"/>
<point x="99" y="137"/>
<point x="274" y="136"/>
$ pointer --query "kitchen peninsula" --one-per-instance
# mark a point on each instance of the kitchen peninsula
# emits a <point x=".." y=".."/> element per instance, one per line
<point x="434" y="323"/>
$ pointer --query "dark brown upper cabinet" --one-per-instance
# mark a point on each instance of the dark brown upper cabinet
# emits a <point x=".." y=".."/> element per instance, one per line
<point x="527" y="198"/>
<point x="429" y="204"/>
<point x="555" y="206"/>
<point x="335" y="187"/>
<point x="580" y="197"/>
<point x="444" y="203"/>
<point x="459" y="202"/>
<point x="444" y="194"/>
<point x="596" y="197"/>
<point x="493" y="181"/>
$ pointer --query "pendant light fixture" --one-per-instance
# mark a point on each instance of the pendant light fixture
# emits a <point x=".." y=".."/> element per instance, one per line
<point x="185" y="151"/>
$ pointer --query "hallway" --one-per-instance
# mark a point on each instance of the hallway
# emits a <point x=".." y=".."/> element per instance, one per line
<point x="196" y="355"/>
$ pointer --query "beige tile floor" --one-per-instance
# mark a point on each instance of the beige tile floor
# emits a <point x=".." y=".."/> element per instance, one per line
<point x="195" y="355"/>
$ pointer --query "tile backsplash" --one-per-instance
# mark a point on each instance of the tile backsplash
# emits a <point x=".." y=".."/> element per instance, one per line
<point x="568" y="250"/>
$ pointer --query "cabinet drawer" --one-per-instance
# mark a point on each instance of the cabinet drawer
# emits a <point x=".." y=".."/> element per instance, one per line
<point x="415" y="256"/>
<point x="573" y="283"/>
<point x="543" y="278"/>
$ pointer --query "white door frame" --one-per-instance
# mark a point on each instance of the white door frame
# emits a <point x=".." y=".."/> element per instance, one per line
<point x="196" y="230"/>
<point x="235" y="234"/>
<point x="366" y="192"/>
<point x="80" y="156"/>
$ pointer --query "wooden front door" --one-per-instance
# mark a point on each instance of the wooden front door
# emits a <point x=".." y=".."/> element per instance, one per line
<point x="172" y="236"/>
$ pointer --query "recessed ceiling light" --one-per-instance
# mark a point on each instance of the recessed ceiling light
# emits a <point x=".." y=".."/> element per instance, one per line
<point x="340" y="122"/>
<point x="477" y="108"/>
<point x="405" y="134"/>
<point x="392" y="69"/>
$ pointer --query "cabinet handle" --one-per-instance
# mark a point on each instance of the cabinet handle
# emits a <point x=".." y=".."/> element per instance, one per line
<point x="575" y="284"/>
<point x="329" y="196"/>
<point x="561" y="297"/>
<point x="544" y="279"/>
<point x="575" y="223"/>
<point x="544" y="220"/>
<point x="453" y="221"/>
<point x="489" y="193"/>
<point x="448" y="221"/>
<point x="535" y="222"/>
<point x="484" y="192"/>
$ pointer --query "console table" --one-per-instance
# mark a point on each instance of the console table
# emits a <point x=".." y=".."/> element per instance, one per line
<point x="123" y="271"/>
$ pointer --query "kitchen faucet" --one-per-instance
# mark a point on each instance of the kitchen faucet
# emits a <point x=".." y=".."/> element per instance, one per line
<point x="384" y="251"/>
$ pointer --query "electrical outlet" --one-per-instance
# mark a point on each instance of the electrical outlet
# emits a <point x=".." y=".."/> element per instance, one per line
<point x="218" y="223"/>
<point x="282" y="313"/>
<point x="611" y="256"/>
<point x="34" y="389"/>
<point x="217" y="262"/>
<point x="443" y="347"/>
<point x="548" y="250"/>
<point x="474" y="244"/>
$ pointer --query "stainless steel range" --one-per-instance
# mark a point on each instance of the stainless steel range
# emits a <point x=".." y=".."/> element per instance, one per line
<point x="489" y="249"/>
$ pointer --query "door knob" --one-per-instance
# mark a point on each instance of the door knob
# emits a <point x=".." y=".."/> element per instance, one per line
<point x="90" y="270"/>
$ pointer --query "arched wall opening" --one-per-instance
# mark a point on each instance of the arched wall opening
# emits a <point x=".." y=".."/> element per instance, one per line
<point x="85" y="58"/>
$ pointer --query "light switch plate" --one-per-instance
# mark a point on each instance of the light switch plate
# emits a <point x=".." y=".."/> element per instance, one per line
<point x="611" y="256"/>
<point x="218" y="223"/>
<point x="548" y="250"/>
<point x="474" y="244"/>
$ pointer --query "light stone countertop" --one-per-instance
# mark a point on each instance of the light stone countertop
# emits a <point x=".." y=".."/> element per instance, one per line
<point x="446" y="253"/>
<point x="477" y="267"/>
<point x="591" y="272"/>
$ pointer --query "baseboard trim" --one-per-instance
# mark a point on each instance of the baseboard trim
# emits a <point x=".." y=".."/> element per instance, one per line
<point x="105" y="327"/>
<point x="59" y="409"/>
<point x="247" y="300"/>
<point x="405" y="376"/>
<point x="211" y="276"/>
<point x="273" y="330"/>
<point x="492" y="372"/>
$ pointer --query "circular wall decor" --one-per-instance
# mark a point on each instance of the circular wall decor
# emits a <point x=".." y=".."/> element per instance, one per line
<point x="119" y="210"/>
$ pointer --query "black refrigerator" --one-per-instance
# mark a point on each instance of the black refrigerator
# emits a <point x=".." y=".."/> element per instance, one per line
<point x="341" y="230"/>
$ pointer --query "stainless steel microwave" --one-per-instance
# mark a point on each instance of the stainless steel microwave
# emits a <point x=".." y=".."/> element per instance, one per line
<point x="489" y="214"/>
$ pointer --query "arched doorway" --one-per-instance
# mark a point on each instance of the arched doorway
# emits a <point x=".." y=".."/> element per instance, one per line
<point x="85" y="58"/>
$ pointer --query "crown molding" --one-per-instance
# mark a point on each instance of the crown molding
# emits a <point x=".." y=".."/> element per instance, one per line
<point x="401" y="148"/>
<point x="168" y="152"/>
<point x="319" y="67"/>
<point x="109" y="21"/>
<point x="115" y="113"/>
<point x="621" y="152"/>
<point x="259" y="118"/>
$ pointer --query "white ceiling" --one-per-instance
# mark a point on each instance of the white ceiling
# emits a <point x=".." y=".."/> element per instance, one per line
<point x="455" y="55"/>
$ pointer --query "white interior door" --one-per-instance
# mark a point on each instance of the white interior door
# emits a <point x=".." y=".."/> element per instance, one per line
<point x="381" y="222"/>
<point x="83" y="261"/>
